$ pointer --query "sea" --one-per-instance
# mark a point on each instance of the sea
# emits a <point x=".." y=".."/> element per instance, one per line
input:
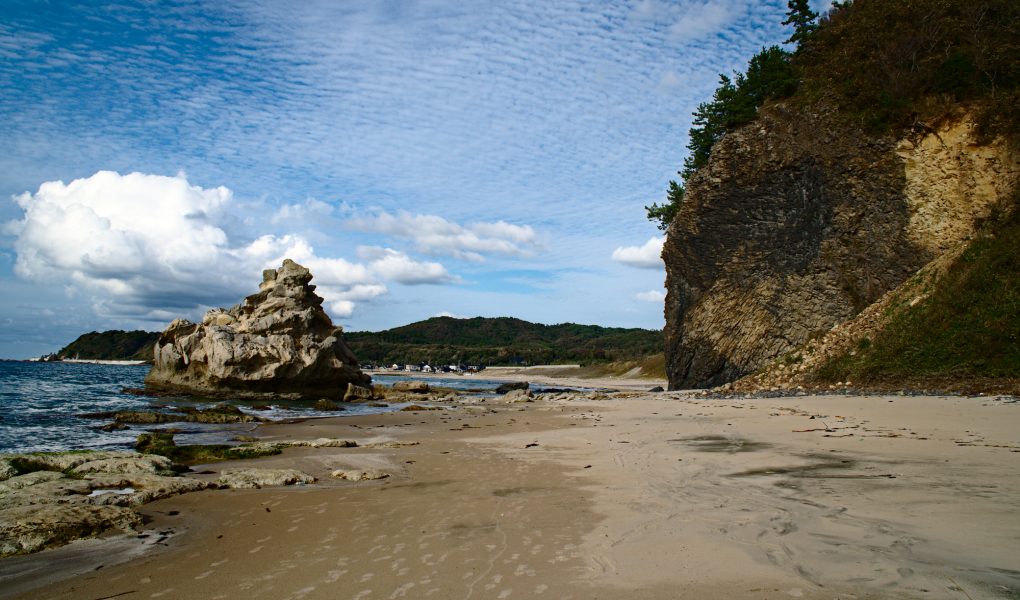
<point x="40" y="404"/>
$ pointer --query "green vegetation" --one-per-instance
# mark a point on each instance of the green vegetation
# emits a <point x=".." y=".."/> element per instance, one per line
<point x="895" y="65"/>
<point x="501" y="341"/>
<point x="967" y="328"/>
<point x="112" y="345"/>
<point x="887" y="66"/>
<point x="163" y="444"/>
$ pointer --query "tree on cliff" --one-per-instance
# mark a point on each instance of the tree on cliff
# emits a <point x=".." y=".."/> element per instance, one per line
<point x="802" y="19"/>
<point x="734" y="103"/>
<point x="664" y="213"/>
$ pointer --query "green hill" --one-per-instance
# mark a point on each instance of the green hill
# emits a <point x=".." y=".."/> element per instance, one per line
<point x="502" y="341"/>
<point x="112" y="345"/>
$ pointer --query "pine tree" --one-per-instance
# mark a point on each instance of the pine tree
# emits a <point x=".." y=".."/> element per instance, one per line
<point x="802" y="19"/>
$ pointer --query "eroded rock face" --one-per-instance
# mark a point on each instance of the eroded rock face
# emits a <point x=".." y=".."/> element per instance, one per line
<point x="278" y="341"/>
<point x="798" y="223"/>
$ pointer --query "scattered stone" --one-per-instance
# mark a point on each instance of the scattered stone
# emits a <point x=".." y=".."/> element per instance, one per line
<point x="358" y="393"/>
<point x="519" y="395"/>
<point x="657" y="389"/>
<point x="115" y="426"/>
<point x="359" y="475"/>
<point x="413" y="387"/>
<point x="509" y="387"/>
<point x="326" y="405"/>
<point x="257" y="478"/>
<point x="418" y="407"/>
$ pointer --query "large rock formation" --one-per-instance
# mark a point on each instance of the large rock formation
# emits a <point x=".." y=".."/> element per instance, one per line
<point x="798" y="223"/>
<point x="277" y="341"/>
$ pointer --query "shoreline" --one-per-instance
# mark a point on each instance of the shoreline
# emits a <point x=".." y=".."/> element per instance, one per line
<point x="632" y="496"/>
<point x="545" y="375"/>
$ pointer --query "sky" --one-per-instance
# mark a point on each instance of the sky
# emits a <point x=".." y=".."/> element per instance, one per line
<point x="422" y="158"/>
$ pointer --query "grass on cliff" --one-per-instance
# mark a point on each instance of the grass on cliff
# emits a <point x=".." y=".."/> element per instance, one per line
<point x="968" y="328"/>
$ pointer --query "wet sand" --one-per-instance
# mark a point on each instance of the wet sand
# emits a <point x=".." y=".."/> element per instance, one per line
<point x="636" y="496"/>
<point x="557" y="376"/>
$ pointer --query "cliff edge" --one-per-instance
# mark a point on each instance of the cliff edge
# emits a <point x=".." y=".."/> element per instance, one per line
<point x="277" y="341"/>
<point x="799" y="222"/>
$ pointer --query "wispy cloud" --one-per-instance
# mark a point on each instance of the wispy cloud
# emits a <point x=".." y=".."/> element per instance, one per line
<point x="436" y="235"/>
<point x="490" y="135"/>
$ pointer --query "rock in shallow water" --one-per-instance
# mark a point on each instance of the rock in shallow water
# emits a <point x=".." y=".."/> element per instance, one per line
<point x="277" y="341"/>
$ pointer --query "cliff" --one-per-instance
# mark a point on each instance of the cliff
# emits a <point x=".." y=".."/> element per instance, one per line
<point x="277" y="341"/>
<point x="799" y="222"/>
<point x="824" y="178"/>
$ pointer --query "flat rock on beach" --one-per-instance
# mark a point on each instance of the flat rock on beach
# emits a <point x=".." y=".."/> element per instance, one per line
<point x="623" y="495"/>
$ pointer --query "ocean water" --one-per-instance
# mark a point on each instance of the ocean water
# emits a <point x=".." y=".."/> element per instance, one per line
<point x="40" y="404"/>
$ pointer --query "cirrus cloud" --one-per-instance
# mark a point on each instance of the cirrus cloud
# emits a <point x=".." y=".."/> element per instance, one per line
<point x="436" y="235"/>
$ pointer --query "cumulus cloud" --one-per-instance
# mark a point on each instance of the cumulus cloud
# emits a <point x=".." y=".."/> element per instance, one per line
<point x="436" y="235"/>
<point x="651" y="296"/>
<point x="399" y="267"/>
<point x="154" y="247"/>
<point x="648" y="256"/>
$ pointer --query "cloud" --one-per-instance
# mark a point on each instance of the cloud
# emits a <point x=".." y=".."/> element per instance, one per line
<point x="307" y="210"/>
<point x="704" y="18"/>
<point x="399" y="267"/>
<point x="648" y="256"/>
<point x="433" y="234"/>
<point x="152" y="247"/>
<point x="651" y="296"/>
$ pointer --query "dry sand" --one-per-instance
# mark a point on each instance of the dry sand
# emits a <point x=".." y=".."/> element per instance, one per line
<point x="636" y="496"/>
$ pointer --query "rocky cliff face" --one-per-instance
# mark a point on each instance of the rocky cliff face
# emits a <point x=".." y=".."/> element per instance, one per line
<point x="277" y="341"/>
<point x="798" y="223"/>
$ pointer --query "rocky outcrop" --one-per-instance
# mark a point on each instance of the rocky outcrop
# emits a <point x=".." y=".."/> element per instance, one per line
<point x="798" y="223"/>
<point x="49" y="499"/>
<point x="278" y="341"/>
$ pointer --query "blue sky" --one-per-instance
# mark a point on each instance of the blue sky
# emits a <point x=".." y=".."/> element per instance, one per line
<point x="422" y="158"/>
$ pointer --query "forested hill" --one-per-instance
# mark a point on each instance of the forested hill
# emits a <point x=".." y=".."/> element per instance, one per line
<point x="504" y="340"/>
<point x="112" y="345"/>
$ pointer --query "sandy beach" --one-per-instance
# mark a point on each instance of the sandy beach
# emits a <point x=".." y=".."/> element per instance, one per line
<point x="627" y="495"/>
<point x="558" y="376"/>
